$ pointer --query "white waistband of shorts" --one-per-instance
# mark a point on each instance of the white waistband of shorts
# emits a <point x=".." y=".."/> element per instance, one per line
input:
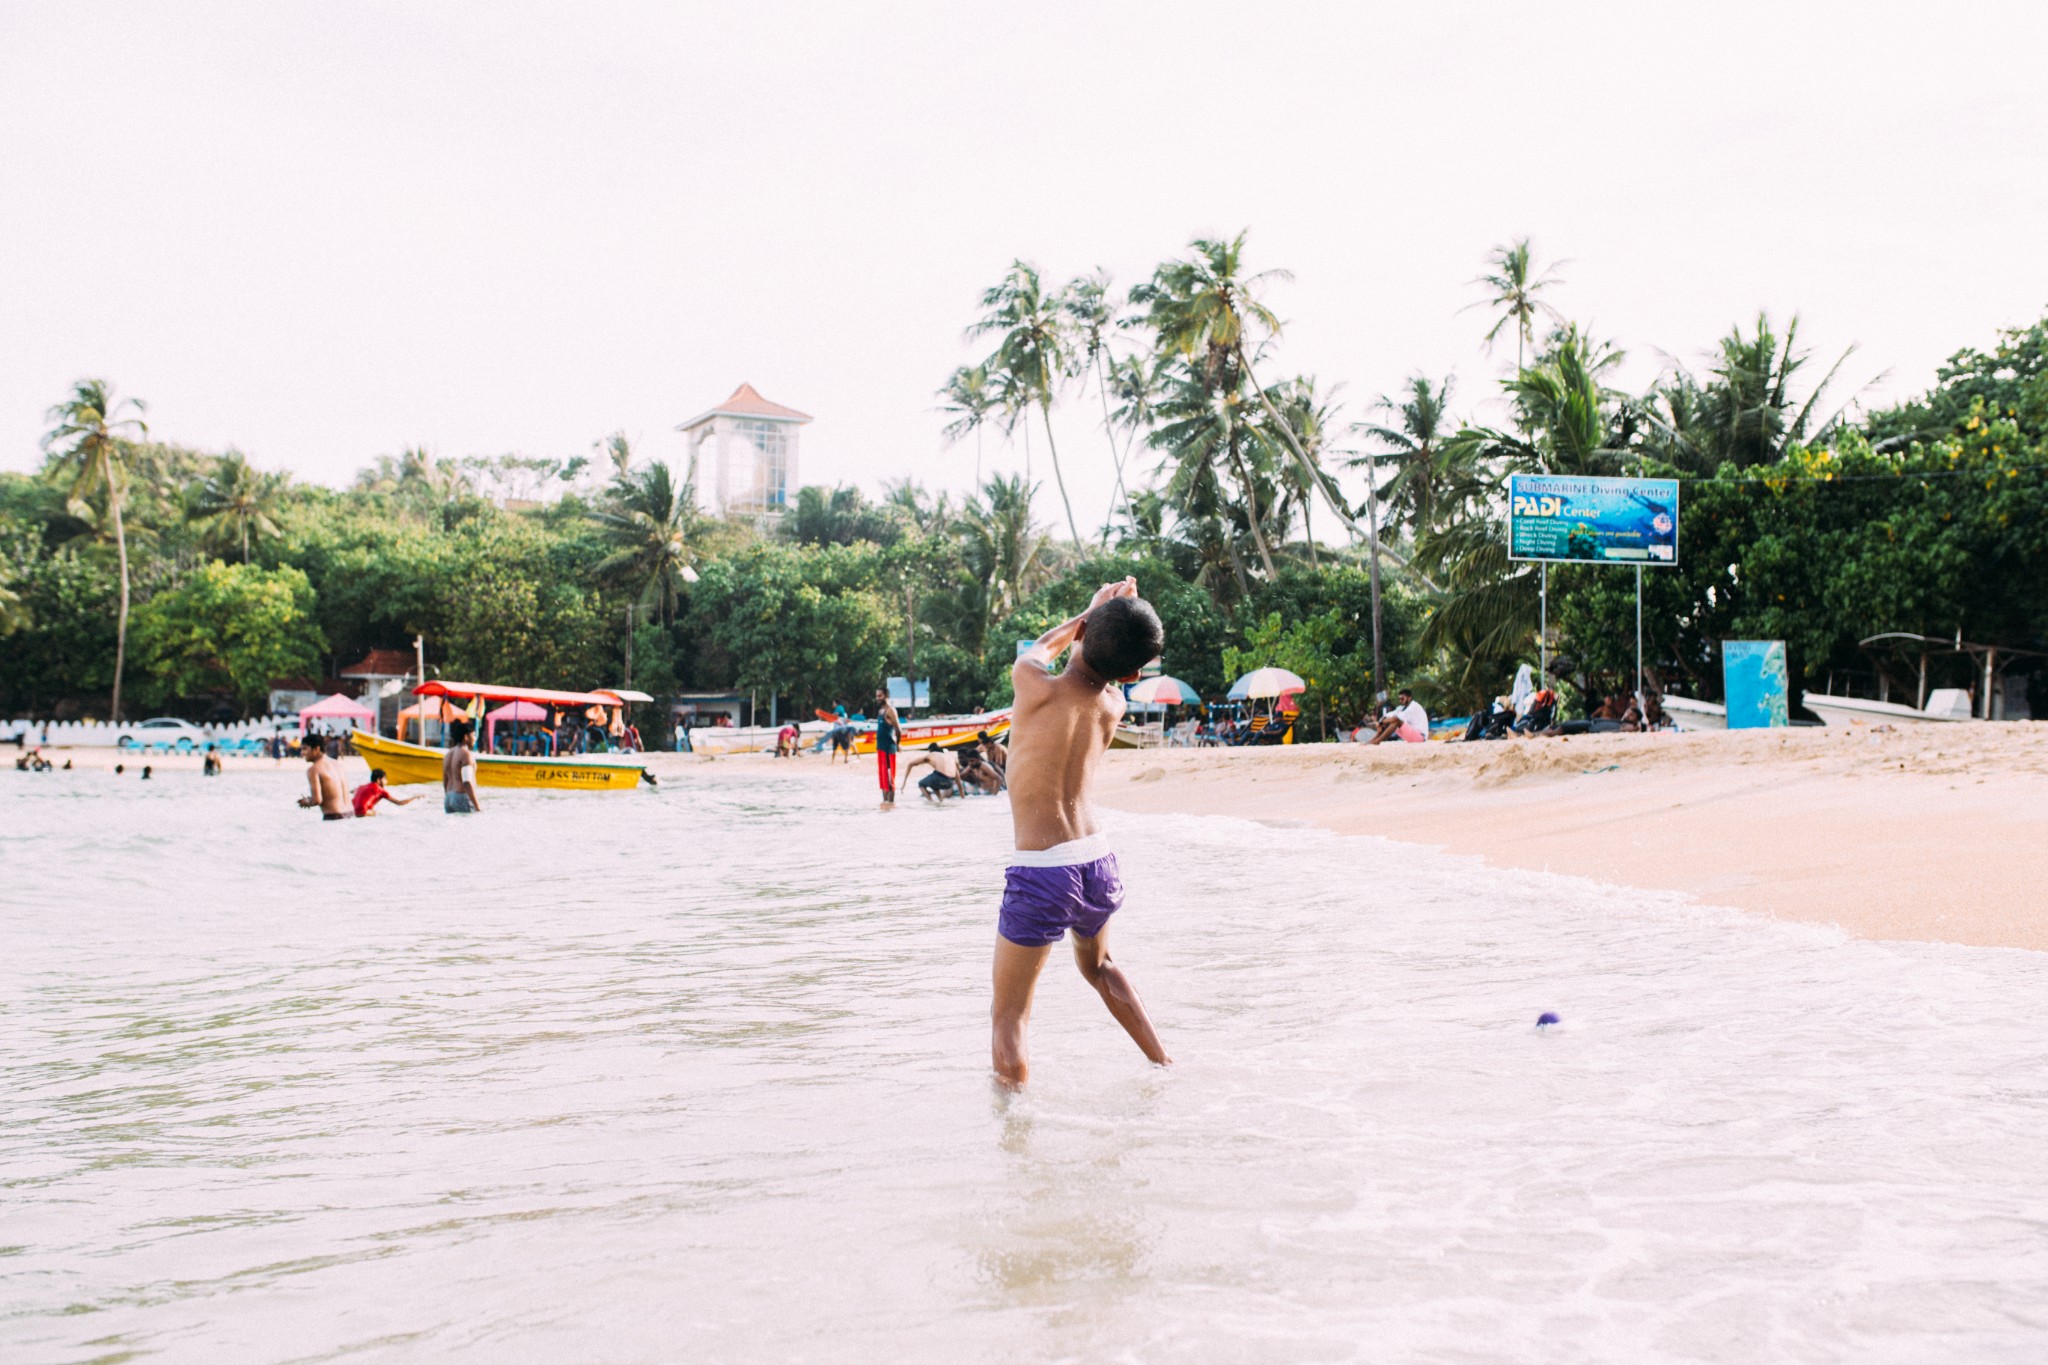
<point x="1072" y="853"/>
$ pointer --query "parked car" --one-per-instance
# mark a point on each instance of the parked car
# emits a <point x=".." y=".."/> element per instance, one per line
<point x="164" y="730"/>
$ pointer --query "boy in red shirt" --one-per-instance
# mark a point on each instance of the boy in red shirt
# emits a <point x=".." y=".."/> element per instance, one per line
<point x="370" y="793"/>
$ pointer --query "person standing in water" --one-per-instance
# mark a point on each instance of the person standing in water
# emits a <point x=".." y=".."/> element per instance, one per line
<point x="888" y="730"/>
<point x="1063" y="877"/>
<point x="458" y="772"/>
<point x="328" y="792"/>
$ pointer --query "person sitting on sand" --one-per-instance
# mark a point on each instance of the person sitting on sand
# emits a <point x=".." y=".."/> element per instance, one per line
<point x="993" y="751"/>
<point x="458" y="772"/>
<point x="1407" y="722"/>
<point x="366" y="797"/>
<point x="1539" y="713"/>
<point x="323" y="780"/>
<point x="976" y="772"/>
<point x="941" y="782"/>
<point x="1063" y="876"/>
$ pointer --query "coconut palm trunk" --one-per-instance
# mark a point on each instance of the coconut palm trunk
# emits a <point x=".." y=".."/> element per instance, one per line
<point x="121" y="623"/>
<point x="1045" y="414"/>
<point x="1251" y="502"/>
<point x="1116" y="458"/>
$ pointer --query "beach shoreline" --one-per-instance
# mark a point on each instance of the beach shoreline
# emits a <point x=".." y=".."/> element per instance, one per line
<point x="1925" y="834"/>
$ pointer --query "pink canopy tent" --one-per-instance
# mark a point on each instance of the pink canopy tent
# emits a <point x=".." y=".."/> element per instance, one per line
<point x="338" y="707"/>
<point x="511" y="710"/>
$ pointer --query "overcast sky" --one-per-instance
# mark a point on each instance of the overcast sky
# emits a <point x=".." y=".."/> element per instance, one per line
<point x="325" y="232"/>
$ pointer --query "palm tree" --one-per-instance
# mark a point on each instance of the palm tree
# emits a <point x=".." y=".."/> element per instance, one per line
<point x="1003" y="549"/>
<point x="1420" y="493"/>
<point x="1514" y="288"/>
<point x="1208" y="304"/>
<point x="1032" y="354"/>
<point x="1201" y="427"/>
<point x="617" y="449"/>
<point x="650" y="520"/>
<point x="1745" y="413"/>
<point x="90" y="445"/>
<point x="1093" y="313"/>
<point x="234" y="500"/>
<point x="1309" y="417"/>
<point x="968" y="399"/>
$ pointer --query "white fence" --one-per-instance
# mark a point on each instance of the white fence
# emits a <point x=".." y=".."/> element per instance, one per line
<point x="97" y="734"/>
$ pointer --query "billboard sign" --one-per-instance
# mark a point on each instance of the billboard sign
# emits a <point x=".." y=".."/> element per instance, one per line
<point x="1589" y="520"/>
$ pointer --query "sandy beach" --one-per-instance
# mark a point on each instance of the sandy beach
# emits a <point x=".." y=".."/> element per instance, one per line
<point x="1932" y="833"/>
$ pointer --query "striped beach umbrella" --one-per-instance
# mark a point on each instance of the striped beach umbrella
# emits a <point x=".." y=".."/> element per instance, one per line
<point x="1265" y="682"/>
<point x="1164" y="691"/>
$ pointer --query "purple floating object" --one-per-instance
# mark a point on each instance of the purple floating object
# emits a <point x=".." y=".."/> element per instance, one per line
<point x="1547" y="1018"/>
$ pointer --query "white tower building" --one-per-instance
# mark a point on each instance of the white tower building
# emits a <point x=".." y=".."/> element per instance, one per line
<point x="751" y="444"/>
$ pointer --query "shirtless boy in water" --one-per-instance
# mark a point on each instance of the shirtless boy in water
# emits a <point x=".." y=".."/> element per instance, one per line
<point x="1063" y="876"/>
<point x="323" y="778"/>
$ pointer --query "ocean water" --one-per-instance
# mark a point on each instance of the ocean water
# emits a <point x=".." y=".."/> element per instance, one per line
<point x="701" y="1075"/>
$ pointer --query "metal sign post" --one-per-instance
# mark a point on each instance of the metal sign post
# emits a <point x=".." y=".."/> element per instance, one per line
<point x="1641" y="707"/>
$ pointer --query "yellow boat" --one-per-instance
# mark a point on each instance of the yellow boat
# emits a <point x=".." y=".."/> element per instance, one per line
<point x="405" y="763"/>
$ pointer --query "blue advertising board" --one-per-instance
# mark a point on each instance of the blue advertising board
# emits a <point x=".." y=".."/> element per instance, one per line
<point x="1591" y="520"/>
<point x="1753" y="679"/>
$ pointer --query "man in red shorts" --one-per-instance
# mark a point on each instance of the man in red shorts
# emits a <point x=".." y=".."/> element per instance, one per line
<point x="888" y="733"/>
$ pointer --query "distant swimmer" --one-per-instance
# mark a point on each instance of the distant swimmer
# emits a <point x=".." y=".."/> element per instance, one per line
<point x="323" y="779"/>
<point x="366" y="797"/>
<point x="941" y="782"/>
<point x="888" y="730"/>
<point x="1063" y="877"/>
<point x="458" y="772"/>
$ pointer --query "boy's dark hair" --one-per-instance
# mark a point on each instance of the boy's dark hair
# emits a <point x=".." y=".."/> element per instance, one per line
<point x="458" y="730"/>
<point x="376" y="774"/>
<point x="311" y="745"/>
<point x="1121" y="637"/>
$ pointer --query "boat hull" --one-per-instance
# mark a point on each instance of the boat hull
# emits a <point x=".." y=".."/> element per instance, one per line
<point x="1839" y="712"/>
<point x="951" y="733"/>
<point x="416" y="764"/>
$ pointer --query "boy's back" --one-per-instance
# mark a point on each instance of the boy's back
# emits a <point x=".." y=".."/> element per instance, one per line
<point x="1058" y="732"/>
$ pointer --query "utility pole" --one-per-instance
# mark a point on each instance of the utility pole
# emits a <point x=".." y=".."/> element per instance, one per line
<point x="629" y="644"/>
<point x="1372" y="536"/>
<point x="910" y="639"/>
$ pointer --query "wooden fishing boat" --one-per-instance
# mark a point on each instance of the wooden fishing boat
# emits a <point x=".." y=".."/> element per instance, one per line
<point x="411" y="764"/>
<point x="948" y="732"/>
<point x="407" y="763"/>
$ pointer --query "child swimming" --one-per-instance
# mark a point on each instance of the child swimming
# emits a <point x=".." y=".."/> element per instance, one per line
<point x="1063" y="877"/>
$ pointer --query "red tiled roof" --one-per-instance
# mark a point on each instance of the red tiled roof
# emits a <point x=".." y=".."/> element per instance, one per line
<point x="746" y="401"/>
<point x="382" y="663"/>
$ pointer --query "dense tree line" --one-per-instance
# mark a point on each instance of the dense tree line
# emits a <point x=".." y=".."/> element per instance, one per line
<point x="139" y="573"/>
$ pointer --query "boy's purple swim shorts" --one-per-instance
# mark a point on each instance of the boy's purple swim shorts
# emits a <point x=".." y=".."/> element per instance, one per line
<point x="1046" y="892"/>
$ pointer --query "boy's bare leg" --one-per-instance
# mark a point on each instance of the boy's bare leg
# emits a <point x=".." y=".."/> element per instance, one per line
<point x="1016" y="976"/>
<point x="1091" y="955"/>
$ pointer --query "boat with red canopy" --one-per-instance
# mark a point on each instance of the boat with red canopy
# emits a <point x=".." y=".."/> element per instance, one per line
<point x="418" y="763"/>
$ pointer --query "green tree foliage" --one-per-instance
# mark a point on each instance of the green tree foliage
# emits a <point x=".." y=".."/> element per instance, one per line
<point x="228" y="630"/>
<point x="514" y="609"/>
<point x="809" y="624"/>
